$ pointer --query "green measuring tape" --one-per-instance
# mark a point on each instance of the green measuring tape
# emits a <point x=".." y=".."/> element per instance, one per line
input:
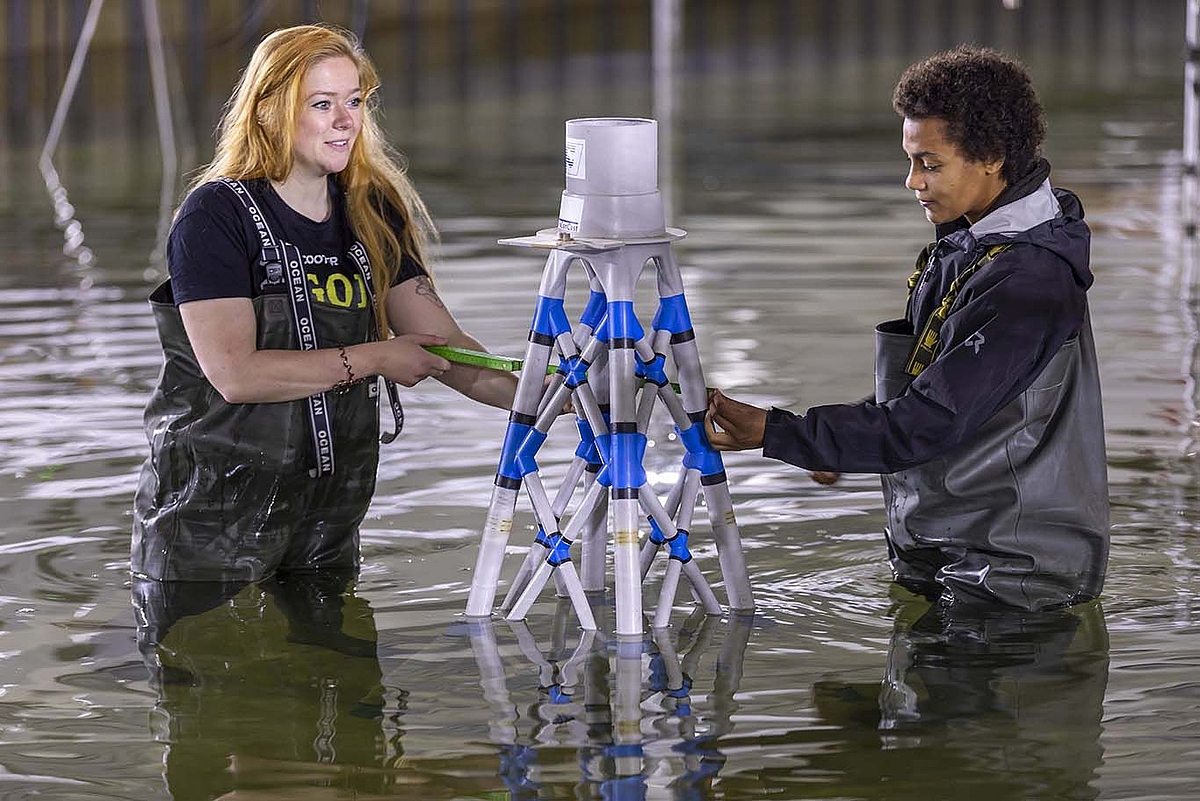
<point x="490" y="361"/>
<point x="477" y="358"/>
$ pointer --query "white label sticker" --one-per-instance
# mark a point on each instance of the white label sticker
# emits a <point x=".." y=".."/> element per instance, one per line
<point x="576" y="168"/>
<point x="570" y="212"/>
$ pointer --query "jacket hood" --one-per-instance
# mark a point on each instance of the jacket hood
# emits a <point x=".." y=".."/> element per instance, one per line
<point x="1034" y="212"/>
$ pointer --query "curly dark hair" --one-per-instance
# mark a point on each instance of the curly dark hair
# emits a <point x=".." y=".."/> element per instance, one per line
<point x="987" y="101"/>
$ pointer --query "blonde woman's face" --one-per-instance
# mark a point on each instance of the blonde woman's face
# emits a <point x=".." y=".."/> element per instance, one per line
<point x="330" y="118"/>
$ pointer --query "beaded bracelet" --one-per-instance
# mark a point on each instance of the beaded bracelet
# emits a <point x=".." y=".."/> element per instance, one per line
<point x="343" y="386"/>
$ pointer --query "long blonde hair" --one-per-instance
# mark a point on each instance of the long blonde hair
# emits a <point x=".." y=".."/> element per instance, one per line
<point x="257" y="133"/>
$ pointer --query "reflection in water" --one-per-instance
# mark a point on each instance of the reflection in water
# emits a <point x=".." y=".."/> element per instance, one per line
<point x="274" y="687"/>
<point x="789" y="145"/>
<point x="1007" y="704"/>
<point x="593" y="698"/>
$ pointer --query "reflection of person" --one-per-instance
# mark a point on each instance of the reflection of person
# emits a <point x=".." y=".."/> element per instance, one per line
<point x="266" y="686"/>
<point x="964" y="685"/>
<point x="296" y="253"/>
<point x="986" y="423"/>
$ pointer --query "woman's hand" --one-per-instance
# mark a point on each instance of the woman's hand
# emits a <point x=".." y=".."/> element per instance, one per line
<point x="404" y="359"/>
<point x="742" y="425"/>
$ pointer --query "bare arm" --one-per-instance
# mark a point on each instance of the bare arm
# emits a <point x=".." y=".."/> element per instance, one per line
<point x="415" y="306"/>
<point x="223" y="335"/>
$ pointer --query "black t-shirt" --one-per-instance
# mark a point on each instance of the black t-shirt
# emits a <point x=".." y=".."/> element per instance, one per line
<point x="213" y="250"/>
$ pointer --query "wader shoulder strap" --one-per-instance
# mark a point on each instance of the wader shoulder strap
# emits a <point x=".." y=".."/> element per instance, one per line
<point x="276" y="251"/>
<point x="922" y="263"/>
<point x="266" y="238"/>
<point x="359" y="254"/>
<point x="926" y="346"/>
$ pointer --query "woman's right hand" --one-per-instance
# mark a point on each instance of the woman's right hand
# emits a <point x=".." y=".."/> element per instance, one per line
<point x="405" y="360"/>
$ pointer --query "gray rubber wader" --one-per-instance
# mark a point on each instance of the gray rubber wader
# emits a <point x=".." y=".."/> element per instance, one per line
<point x="226" y="494"/>
<point x="1018" y="515"/>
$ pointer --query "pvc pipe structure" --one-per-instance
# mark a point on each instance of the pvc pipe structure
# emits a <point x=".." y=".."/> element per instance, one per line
<point x="611" y="222"/>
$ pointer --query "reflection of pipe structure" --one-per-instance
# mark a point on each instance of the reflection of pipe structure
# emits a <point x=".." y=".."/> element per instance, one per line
<point x="64" y="212"/>
<point x="610" y="220"/>
<point x="629" y="736"/>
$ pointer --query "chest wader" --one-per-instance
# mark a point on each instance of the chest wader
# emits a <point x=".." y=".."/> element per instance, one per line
<point x="238" y="491"/>
<point x="1019" y="514"/>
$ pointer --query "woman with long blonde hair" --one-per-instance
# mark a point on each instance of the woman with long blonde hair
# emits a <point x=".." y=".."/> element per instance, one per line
<point x="295" y="256"/>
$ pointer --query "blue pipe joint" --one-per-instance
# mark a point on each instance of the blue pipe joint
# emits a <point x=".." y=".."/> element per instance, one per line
<point x="672" y="315"/>
<point x="526" y="461"/>
<point x="515" y="761"/>
<point x="626" y="788"/>
<point x="549" y="317"/>
<point x="656" y="534"/>
<point x="560" y="551"/>
<point x="617" y="750"/>
<point x="574" y="371"/>
<point x="542" y="538"/>
<point x="556" y="695"/>
<point x="514" y="439"/>
<point x="658" y="673"/>
<point x="600" y="330"/>
<point x="628" y="452"/>
<point x="684" y="690"/>
<point x="700" y="455"/>
<point x="622" y="322"/>
<point x="604" y="446"/>
<point x="653" y="371"/>
<point x="593" y="312"/>
<point x="679" y="546"/>
<point x="587" y="442"/>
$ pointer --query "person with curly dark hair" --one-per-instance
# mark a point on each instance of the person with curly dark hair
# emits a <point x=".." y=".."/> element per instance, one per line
<point x="986" y="424"/>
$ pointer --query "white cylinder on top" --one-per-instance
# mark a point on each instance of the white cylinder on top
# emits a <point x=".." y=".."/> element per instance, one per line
<point x="612" y="179"/>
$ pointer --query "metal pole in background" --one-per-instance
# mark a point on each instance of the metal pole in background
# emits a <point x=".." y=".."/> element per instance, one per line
<point x="1191" y="118"/>
<point x="166" y="125"/>
<point x="1187" y="272"/>
<point x="666" y="37"/>
<point x="64" y="212"/>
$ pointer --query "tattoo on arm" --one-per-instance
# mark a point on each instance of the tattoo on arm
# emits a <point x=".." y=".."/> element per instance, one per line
<point x="425" y="289"/>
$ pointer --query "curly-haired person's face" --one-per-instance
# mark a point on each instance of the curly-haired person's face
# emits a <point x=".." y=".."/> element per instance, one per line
<point x="946" y="183"/>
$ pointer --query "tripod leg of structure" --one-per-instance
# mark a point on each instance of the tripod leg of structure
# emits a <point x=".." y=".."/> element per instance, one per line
<point x="594" y="546"/>
<point x="618" y="272"/>
<point x="675" y="318"/>
<point x="549" y="322"/>
<point x="558" y="557"/>
<point x="657" y="536"/>
<point x="570" y="379"/>
<point x="681" y="557"/>
<point x="558" y="560"/>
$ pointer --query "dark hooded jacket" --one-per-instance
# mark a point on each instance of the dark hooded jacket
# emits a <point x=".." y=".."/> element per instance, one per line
<point x="993" y="455"/>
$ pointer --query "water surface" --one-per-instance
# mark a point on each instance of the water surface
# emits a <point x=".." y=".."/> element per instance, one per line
<point x="801" y="236"/>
